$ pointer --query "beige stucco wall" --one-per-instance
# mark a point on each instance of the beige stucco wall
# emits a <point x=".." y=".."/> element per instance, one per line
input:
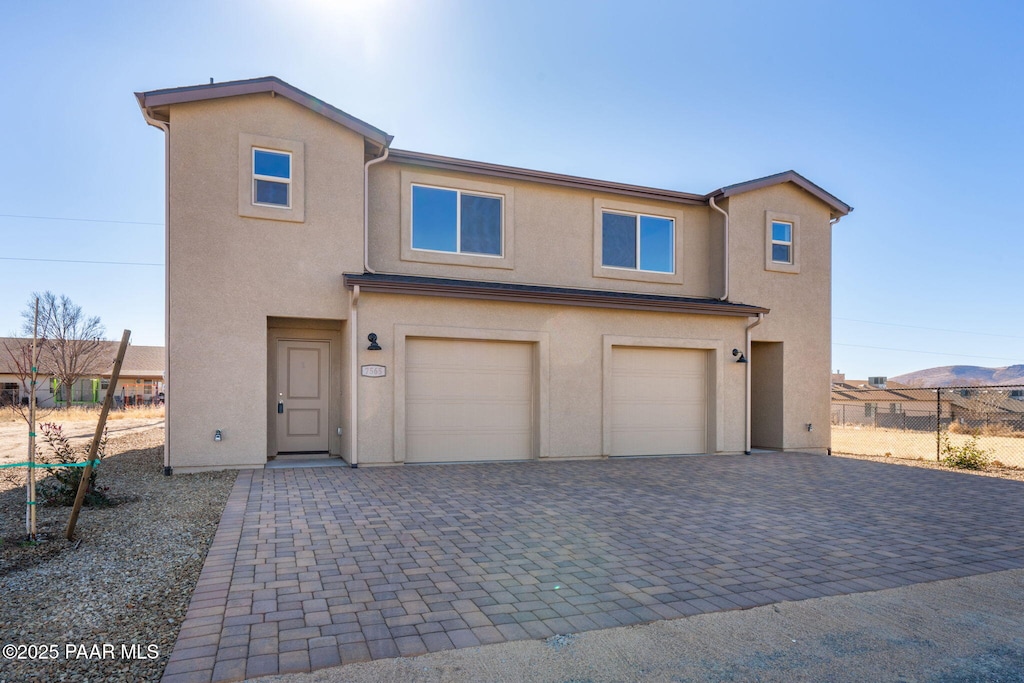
<point x="554" y="236"/>
<point x="229" y="273"/>
<point x="800" y="303"/>
<point x="572" y="344"/>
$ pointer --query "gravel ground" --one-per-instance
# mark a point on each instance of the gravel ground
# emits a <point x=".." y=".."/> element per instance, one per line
<point x="126" y="580"/>
<point x="1003" y="472"/>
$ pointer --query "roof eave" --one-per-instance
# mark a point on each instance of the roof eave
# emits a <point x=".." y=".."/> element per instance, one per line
<point x="838" y="207"/>
<point x="155" y="99"/>
<point x="404" y="156"/>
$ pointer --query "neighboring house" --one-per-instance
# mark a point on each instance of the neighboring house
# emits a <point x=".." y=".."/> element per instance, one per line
<point x="141" y="380"/>
<point x="898" y="406"/>
<point x="481" y="312"/>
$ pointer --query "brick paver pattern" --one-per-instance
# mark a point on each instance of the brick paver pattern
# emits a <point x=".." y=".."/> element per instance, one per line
<point x="312" y="568"/>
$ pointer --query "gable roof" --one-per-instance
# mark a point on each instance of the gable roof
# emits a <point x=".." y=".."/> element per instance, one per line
<point x="839" y="208"/>
<point x="154" y="99"/>
<point x="154" y="103"/>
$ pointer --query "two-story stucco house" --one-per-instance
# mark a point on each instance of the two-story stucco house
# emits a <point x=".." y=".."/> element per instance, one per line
<point x="328" y="294"/>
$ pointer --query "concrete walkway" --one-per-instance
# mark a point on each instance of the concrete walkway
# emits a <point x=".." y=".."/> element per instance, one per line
<point x="312" y="568"/>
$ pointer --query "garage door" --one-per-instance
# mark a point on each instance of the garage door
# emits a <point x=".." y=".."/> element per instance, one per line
<point x="659" y="404"/>
<point x="468" y="400"/>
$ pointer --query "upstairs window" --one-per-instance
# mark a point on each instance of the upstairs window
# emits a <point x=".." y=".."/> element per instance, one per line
<point x="455" y="221"/>
<point x="782" y="242"/>
<point x="271" y="178"/>
<point x="637" y="242"/>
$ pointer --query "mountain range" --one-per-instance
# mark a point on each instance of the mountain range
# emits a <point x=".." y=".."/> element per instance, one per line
<point x="962" y="375"/>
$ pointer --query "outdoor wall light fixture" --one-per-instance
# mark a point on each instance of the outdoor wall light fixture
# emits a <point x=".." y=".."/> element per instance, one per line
<point x="218" y="436"/>
<point x="742" y="358"/>
<point x="374" y="346"/>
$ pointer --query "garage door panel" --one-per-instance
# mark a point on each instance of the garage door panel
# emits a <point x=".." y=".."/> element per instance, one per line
<point x="658" y="401"/>
<point x="468" y="400"/>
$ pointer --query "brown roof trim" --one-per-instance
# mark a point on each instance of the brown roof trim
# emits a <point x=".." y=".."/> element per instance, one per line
<point x="503" y="291"/>
<point x="514" y="173"/>
<point x="267" y="84"/>
<point x="839" y="207"/>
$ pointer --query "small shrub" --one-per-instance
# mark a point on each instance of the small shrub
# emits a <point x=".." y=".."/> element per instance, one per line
<point x="969" y="456"/>
<point x="62" y="485"/>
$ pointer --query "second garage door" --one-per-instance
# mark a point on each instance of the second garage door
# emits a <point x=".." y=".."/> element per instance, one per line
<point x="468" y="400"/>
<point x="658" y="401"/>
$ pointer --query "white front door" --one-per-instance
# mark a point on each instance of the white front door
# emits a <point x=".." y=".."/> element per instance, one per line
<point x="303" y="389"/>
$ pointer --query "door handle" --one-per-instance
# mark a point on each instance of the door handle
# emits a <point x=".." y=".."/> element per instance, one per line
<point x="280" y="406"/>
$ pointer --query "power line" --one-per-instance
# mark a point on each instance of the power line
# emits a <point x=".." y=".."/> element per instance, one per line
<point x="102" y="263"/>
<point x="930" y="353"/>
<point x="931" y="329"/>
<point x="78" y="220"/>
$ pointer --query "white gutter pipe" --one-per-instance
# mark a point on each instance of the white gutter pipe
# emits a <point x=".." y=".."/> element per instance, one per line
<point x="746" y="432"/>
<point x="725" y="251"/>
<point x="354" y="316"/>
<point x="366" y="209"/>
<point x="353" y="409"/>
<point x="166" y="128"/>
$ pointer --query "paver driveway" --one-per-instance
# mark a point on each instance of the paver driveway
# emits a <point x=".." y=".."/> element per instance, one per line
<point x="317" y="567"/>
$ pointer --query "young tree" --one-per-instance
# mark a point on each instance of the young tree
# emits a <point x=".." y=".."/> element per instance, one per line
<point x="70" y="343"/>
<point x="16" y="358"/>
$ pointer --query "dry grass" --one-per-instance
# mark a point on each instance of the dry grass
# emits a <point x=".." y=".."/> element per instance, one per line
<point x="83" y="414"/>
<point x="913" y="445"/>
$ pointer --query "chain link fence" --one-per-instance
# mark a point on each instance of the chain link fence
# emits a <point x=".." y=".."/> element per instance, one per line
<point x="925" y="422"/>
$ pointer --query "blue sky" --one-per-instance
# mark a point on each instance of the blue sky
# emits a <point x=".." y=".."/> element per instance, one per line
<point x="909" y="111"/>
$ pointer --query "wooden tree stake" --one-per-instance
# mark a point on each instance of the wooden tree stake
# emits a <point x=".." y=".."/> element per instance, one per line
<point x="83" y="485"/>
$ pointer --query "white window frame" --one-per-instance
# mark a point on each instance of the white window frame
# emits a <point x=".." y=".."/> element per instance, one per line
<point x="792" y="266"/>
<point x="458" y="221"/>
<point x="295" y="212"/>
<point x="787" y="243"/>
<point x="638" y="216"/>
<point x="676" y="214"/>
<point x="273" y="179"/>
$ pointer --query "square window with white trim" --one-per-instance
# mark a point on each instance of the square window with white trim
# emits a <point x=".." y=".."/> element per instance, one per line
<point x="271" y="177"/>
<point x="637" y="242"/>
<point x="456" y="221"/>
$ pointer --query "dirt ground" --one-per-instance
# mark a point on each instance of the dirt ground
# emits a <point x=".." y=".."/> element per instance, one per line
<point x="907" y="444"/>
<point x="14" y="435"/>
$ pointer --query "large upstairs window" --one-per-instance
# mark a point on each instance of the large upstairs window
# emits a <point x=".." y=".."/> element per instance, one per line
<point x="637" y="242"/>
<point x="455" y="221"/>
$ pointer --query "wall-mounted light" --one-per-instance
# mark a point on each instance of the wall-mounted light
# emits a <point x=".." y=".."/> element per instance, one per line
<point x="742" y="358"/>
<point x="374" y="346"/>
<point x="810" y="427"/>
<point x="218" y="436"/>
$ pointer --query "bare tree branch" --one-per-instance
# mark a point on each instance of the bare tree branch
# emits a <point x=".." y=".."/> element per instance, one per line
<point x="70" y="343"/>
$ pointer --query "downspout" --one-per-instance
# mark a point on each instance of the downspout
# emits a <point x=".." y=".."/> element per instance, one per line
<point x="165" y="126"/>
<point x="725" y="250"/>
<point x="746" y="432"/>
<point x="366" y="212"/>
<point x="353" y="409"/>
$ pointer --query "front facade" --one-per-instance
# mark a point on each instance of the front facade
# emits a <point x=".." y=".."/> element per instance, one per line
<point x="392" y="307"/>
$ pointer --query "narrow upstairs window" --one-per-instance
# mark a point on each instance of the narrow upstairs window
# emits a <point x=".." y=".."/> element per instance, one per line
<point x="271" y="178"/>
<point x="782" y="242"/>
